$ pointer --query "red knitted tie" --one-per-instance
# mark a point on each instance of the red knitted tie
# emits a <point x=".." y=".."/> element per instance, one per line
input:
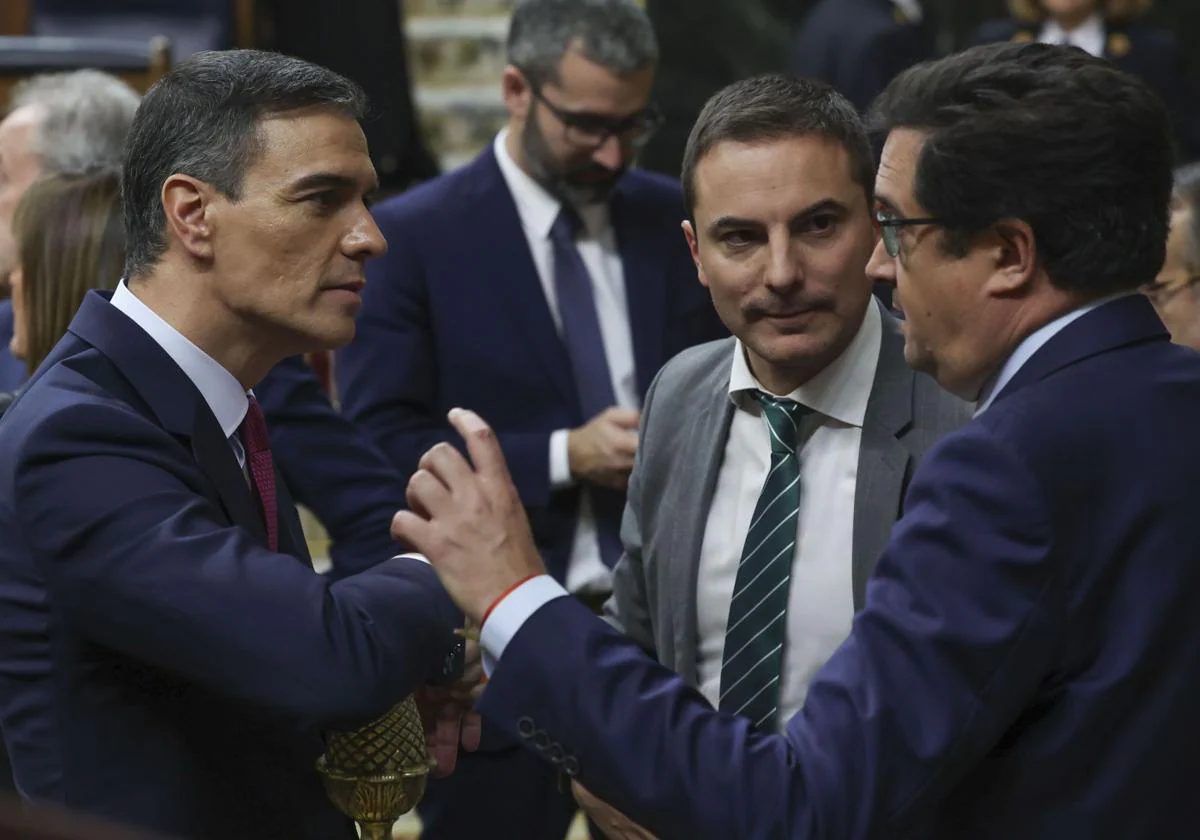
<point x="262" y="468"/>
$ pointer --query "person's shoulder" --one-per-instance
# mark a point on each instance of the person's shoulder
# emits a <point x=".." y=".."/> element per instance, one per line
<point x="690" y="369"/>
<point x="1138" y="39"/>
<point x="434" y="200"/>
<point x="653" y="189"/>
<point x="935" y="408"/>
<point x="998" y="31"/>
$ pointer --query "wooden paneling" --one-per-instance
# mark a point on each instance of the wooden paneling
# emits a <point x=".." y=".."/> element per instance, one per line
<point x="14" y="17"/>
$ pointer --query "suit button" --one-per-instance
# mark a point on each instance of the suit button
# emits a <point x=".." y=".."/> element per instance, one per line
<point x="525" y="727"/>
<point x="556" y="754"/>
<point x="541" y="741"/>
<point x="571" y="766"/>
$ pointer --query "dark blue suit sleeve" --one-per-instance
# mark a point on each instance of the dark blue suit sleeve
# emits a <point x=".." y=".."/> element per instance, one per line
<point x="12" y="370"/>
<point x="952" y="645"/>
<point x="331" y="467"/>
<point x="139" y="560"/>
<point x="389" y="377"/>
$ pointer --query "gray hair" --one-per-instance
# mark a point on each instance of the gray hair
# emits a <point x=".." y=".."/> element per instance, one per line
<point x="616" y="34"/>
<point x="1187" y="190"/>
<point x="87" y="118"/>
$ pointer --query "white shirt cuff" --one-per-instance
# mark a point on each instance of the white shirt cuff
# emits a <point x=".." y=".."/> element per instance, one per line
<point x="560" y="460"/>
<point x="413" y="555"/>
<point x="510" y="615"/>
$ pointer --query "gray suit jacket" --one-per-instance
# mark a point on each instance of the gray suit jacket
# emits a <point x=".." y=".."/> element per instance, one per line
<point x="685" y="424"/>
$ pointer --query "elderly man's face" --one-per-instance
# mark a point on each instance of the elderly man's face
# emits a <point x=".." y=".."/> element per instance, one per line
<point x="20" y="166"/>
<point x="1175" y="293"/>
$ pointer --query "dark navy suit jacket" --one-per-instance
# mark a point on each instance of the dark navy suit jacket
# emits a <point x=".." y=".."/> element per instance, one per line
<point x="332" y="467"/>
<point x="455" y="315"/>
<point x="859" y="46"/>
<point x="1026" y="666"/>
<point x="158" y="664"/>
<point x="1148" y="52"/>
<point x="12" y="370"/>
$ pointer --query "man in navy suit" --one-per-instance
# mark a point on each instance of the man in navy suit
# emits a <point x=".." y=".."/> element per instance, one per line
<point x="12" y="371"/>
<point x="168" y="656"/>
<point x="544" y="284"/>
<point x="1028" y="658"/>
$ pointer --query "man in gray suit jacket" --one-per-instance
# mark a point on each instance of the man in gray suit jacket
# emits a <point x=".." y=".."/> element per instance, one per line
<point x="772" y="465"/>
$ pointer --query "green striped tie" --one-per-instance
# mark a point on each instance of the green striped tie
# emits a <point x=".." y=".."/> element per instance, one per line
<point x="752" y="662"/>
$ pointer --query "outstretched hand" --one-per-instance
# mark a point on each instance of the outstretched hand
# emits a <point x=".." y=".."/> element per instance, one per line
<point x="468" y="521"/>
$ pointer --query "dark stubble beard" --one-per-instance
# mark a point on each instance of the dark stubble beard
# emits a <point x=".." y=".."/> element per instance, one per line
<point x="580" y="186"/>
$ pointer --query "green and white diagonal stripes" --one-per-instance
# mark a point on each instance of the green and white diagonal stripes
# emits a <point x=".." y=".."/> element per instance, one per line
<point x="753" y="658"/>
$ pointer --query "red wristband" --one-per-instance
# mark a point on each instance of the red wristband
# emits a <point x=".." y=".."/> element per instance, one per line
<point x="504" y="595"/>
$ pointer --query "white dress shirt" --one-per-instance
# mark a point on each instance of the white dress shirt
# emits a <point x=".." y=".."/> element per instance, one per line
<point x="1033" y="342"/>
<point x="219" y="388"/>
<point x="911" y="9"/>
<point x="597" y="245"/>
<point x="1089" y="36"/>
<point x="821" y="592"/>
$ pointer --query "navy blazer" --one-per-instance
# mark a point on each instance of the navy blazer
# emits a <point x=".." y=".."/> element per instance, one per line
<point x="158" y="664"/>
<point x="455" y="315"/>
<point x="1148" y="52"/>
<point x="12" y="370"/>
<point x="332" y="467"/>
<point x="1026" y="666"/>
<point x="859" y="46"/>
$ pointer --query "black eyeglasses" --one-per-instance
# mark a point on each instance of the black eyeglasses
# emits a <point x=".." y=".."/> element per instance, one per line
<point x="593" y="130"/>
<point x="889" y="228"/>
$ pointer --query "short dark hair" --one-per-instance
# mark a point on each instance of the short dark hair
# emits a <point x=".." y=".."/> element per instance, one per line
<point x="616" y="34"/>
<point x="202" y="120"/>
<point x="1077" y="149"/>
<point x="776" y="107"/>
<point x="1187" y="190"/>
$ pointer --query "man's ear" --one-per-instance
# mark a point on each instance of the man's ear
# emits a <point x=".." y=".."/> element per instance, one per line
<point x="689" y="233"/>
<point x="187" y="202"/>
<point x="1014" y="249"/>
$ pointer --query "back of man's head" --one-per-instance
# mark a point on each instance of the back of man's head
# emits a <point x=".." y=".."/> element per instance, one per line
<point x="84" y="119"/>
<point x="616" y="34"/>
<point x="1052" y="136"/>
<point x="775" y="107"/>
<point x="202" y="120"/>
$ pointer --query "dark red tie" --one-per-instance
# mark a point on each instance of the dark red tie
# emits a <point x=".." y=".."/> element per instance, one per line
<point x="262" y="468"/>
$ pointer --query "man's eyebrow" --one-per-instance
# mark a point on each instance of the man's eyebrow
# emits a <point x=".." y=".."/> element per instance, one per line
<point x="329" y="180"/>
<point x="886" y="203"/>
<point x="825" y="205"/>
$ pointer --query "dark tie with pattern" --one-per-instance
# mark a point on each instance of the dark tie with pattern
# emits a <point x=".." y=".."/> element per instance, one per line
<point x="261" y="467"/>
<point x="585" y="348"/>
<point x="752" y="663"/>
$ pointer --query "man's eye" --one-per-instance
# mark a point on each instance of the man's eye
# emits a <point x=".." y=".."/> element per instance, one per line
<point x="323" y="200"/>
<point x="823" y="223"/>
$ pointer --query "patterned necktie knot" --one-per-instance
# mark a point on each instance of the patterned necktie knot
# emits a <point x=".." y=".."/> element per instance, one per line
<point x="783" y="420"/>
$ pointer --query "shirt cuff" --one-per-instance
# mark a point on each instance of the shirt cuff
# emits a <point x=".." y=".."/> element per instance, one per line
<point x="560" y="460"/>
<point x="510" y="615"/>
<point x="413" y="555"/>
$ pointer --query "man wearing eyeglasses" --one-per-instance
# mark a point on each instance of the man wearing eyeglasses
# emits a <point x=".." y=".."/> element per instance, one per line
<point x="1175" y="292"/>
<point x="544" y="284"/>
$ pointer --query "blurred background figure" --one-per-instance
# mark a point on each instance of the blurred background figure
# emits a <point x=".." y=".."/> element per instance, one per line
<point x="70" y="239"/>
<point x="858" y="46"/>
<point x="1112" y="29"/>
<point x="1175" y="293"/>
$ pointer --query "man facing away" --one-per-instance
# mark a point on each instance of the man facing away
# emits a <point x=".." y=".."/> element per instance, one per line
<point x="1028" y="657"/>
<point x="545" y="283"/>
<point x="168" y="656"/>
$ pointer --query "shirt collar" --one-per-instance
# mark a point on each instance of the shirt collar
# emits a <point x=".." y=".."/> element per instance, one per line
<point x="537" y="208"/>
<point x="1033" y="342"/>
<point x="841" y="390"/>
<point x="1088" y="36"/>
<point x="220" y="389"/>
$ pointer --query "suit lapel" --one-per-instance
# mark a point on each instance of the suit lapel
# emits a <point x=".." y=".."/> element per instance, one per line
<point x="215" y="457"/>
<point x="510" y="271"/>
<point x="706" y="434"/>
<point x="642" y="261"/>
<point x="291" y="532"/>
<point x="883" y="459"/>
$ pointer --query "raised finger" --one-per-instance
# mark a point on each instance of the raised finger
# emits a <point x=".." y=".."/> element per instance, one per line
<point x="412" y="530"/>
<point x="485" y="450"/>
